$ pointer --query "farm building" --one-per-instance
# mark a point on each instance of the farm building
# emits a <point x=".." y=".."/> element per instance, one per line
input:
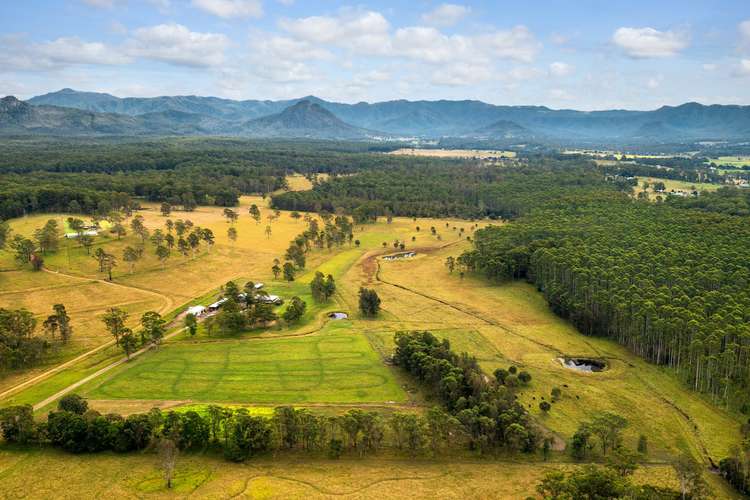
<point x="216" y="305"/>
<point x="196" y="310"/>
<point x="270" y="299"/>
<point x="258" y="286"/>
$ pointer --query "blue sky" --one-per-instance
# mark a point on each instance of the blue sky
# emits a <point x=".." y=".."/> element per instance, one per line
<point x="582" y="54"/>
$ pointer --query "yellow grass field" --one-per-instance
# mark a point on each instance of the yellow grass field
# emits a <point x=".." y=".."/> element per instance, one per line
<point x="671" y="184"/>
<point x="455" y="153"/>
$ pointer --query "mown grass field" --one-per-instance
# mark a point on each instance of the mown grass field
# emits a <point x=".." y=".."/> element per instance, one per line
<point x="454" y="153"/>
<point x="670" y="184"/>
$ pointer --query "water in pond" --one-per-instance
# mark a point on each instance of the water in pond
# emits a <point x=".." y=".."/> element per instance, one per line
<point x="338" y="315"/>
<point x="584" y="364"/>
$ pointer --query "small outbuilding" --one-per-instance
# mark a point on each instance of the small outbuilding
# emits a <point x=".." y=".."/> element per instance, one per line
<point x="216" y="305"/>
<point x="196" y="311"/>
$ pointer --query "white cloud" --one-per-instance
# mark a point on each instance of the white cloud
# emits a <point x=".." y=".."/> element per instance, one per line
<point x="370" y="33"/>
<point x="560" y="95"/>
<point x="18" y="53"/>
<point x="231" y="8"/>
<point x="743" y="68"/>
<point x="446" y="14"/>
<point x="654" y="82"/>
<point x="364" y="32"/>
<point x="102" y="4"/>
<point x="461" y="74"/>
<point x="745" y="35"/>
<point x="176" y="44"/>
<point x="643" y="43"/>
<point x="560" y="69"/>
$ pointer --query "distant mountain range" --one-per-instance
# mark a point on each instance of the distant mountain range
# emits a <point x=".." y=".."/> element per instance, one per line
<point x="69" y="112"/>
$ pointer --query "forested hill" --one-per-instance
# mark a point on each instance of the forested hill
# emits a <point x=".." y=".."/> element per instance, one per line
<point x="672" y="284"/>
<point x="471" y="119"/>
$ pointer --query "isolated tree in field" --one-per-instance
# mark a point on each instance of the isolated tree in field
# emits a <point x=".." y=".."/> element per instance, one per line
<point x="167" y="459"/>
<point x="194" y="240"/>
<point x="58" y="322"/>
<point x="268" y="231"/>
<point x="289" y="271"/>
<point x="255" y="213"/>
<point x="608" y="427"/>
<point x="128" y="342"/>
<point x="369" y="302"/>
<point x="690" y="475"/>
<point x="157" y="237"/>
<point x="169" y="241"/>
<point x="23" y="249"/>
<point x="139" y="228"/>
<point x="131" y="256"/>
<point x="232" y="234"/>
<point x="450" y="263"/>
<point x="276" y="269"/>
<point x="170" y="225"/>
<point x="118" y="229"/>
<point x="154" y="327"/>
<point x="356" y="243"/>
<point x="179" y="227"/>
<point x="166" y="209"/>
<point x="110" y="262"/>
<point x="114" y="319"/>
<point x="208" y="236"/>
<point x="294" y="310"/>
<point x="191" y="323"/>
<point x="77" y="226"/>
<point x="162" y="253"/>
<point x="524" y="377"/>
<point x="48" y="237"/>
<point x="295" y="215"/>
<point x="623" y="461"/>
<point x="183" y="247"/>
<point x="231" y="215"/>
<point x="545" y="406"/>
<point x="86" y="241"/>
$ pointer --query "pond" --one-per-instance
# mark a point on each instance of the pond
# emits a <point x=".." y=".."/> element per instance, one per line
<point x="338" y="315"/>
<point x="585" y="364"/>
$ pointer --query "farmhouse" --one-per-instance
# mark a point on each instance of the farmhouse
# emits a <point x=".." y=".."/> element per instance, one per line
<point x="270" y="299"/>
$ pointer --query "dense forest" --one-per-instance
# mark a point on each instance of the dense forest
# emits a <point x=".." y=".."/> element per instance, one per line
<point x="669" y="283"/>
<point x="470" y="191"/>
<point x="726" y="200"/>
<point x="90" y="177"/>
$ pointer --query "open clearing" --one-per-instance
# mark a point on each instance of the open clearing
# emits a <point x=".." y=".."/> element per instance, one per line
<point x="455" y="153"/>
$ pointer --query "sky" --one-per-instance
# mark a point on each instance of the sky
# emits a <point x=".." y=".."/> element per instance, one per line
<point x="577" y="54"/>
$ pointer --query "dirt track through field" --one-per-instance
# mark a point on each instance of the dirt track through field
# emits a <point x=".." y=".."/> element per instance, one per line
<point x="167" y="307"/>
<point x="98" y="373"/>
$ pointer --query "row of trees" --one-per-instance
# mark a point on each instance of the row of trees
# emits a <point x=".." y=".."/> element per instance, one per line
<point x="75" y="428"/>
